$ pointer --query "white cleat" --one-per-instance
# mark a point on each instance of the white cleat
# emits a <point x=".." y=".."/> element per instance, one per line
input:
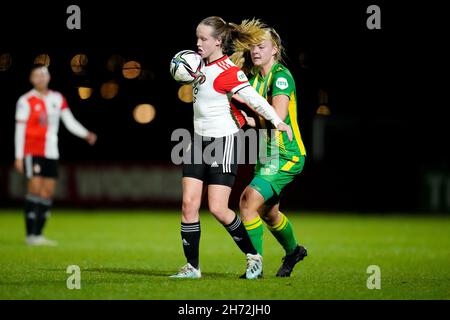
<point x="254" y="266"/>
<point x="188" y="272"/>
<point x="40" y="241"/>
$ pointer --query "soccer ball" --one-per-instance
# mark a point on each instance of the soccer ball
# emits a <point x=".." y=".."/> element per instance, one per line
<point x="186" y="67"/>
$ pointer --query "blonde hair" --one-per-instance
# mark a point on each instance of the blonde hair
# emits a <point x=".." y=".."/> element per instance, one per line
<point x="241" y="56"/>
<point x="236" y="37"/>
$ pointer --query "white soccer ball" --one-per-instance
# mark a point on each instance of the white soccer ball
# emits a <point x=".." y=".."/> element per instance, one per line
<point x="186" y="67"/>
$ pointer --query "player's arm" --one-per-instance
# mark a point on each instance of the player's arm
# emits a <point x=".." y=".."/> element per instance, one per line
<point x="234" y="80"/>
<point x="283" y="86"/>
<point x="74" y="126"/>
<point x="22" y="114"/>
<point x="251" y="97"/>
<point x="281" y="105"/>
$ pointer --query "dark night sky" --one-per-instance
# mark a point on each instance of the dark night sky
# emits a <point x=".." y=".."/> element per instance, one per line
<point x="376" y="77"/>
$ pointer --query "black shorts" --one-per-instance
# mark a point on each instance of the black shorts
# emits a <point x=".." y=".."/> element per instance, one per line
<point x="212" y="160"/>
<point x="40" y="167"/>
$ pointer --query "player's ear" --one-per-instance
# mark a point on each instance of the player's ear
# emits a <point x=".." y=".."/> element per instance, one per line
<point x="275" y="50"/>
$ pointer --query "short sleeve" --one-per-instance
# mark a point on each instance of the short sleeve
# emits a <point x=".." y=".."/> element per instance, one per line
<point x="22" y="110"/>
<point x="64" y="104"/>
<point x="231" y="80"/>
<point x="282" y="83"/>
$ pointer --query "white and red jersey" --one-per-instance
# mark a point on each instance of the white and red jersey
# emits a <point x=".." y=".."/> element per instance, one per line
<point x="37" y="124"/>
<point x="214" y="114"/>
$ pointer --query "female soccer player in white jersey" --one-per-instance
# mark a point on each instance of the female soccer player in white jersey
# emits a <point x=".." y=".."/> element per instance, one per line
<point x="38" y="113"/>
<point x="216" y="121"/>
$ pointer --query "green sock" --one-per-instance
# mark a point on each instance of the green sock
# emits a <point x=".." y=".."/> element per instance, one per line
<point x="284" y="233"/>
<point x="255" y="230"/>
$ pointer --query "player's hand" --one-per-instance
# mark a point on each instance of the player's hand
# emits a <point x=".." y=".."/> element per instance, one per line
<point x="91" y="138"/>
<point x="18" y="164"/>
<point x="284" y="127"/>
<point x="250" y="121"/>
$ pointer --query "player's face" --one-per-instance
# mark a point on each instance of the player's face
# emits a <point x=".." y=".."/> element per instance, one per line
<point x="40" y="78"/>
<point x="206" y="43"/>
<point x="263" y="53"/>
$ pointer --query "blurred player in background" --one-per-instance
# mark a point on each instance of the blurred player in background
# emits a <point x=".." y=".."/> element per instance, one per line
<point x="38" y="113"/>
<point x="216" y="121"/>
<point x="261" y="199"/>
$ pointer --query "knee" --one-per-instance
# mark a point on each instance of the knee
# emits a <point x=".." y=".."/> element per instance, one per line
<point x="219" y="211"/>
<point x="190" y="208"/>
<point x="46" y="193"/>
<point x="243" y="202"/>
<point x="271" y="218"/>
<point x="246" y="205"/>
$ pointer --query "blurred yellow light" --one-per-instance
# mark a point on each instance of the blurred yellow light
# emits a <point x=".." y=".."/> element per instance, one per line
<point x="131" y="69"/>
<point x="79" y="63"/>
<point x="5" y="61"/>
<point x="84" y="92"/>
<point x="109" y="89"/>
<point x="42" y="59"/>
<point x="114" y="62"/>
<point x="144" y="113"/>
<point x="323" y="110"/>
<point x="185" y="93"/>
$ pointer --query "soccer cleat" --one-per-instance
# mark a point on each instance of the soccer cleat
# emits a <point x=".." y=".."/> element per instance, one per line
<point x="188" y="272"/>
<point x="289" y="261"/>
<point x="254" y="266"/>
<point x="33" y="240"/>
<point x="244" y="276"/>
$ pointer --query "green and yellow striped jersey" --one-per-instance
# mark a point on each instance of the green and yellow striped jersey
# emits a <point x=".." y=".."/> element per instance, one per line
<point x="280" y="81"/>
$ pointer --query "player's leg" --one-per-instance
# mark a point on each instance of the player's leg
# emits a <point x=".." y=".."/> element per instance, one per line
<point x="218" y="198"/>
<point x="190" y="227"/>
<point x="250" y="201"/>
<point x="46" y="194"/>
<point x="32" y="200"/>
<point x="47" y="169"/>
<point x="281" y="228"/>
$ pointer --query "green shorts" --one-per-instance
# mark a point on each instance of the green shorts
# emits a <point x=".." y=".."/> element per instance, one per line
<point x="271" y="177"/>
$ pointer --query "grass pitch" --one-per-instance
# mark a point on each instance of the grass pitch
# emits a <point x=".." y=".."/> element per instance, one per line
<point x="129" y="255"/>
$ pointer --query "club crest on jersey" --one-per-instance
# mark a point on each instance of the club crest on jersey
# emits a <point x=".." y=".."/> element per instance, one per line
<point x="241" y="76"/>
<point x="37" y="169"/>
<point x="199" y="79"/>
<point x="282" y="83"/>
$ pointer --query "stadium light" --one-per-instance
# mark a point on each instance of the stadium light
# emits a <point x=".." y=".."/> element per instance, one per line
<point x="109" y="89"/>
<point x="144" y="113"/>
<point x="5" y="61"/>
<point x="79" y="63"/>
<point x="323" y="110"/>
<point x="185" y="93"/>
<point x="131" y="69"/>
<point x="85" y="92"/>
<point x="42" y="59"/>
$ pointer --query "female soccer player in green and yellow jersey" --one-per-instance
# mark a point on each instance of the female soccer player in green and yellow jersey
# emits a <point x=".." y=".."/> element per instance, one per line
<point x="261" y="199"/>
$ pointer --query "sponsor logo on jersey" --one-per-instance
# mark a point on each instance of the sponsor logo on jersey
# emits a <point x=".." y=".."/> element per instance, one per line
<point x="241" y="76"/>
<point x="282" y="83"/>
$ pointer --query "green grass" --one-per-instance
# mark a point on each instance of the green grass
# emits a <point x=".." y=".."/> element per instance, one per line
<point x="128" y="255"/>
